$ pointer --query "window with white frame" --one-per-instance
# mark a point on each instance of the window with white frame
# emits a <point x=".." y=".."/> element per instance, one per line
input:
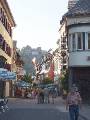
<point x="79" y="41"/>
<point x="88" y="40"/>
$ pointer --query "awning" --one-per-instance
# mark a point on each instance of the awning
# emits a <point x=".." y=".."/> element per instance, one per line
<point x="7" y="75"/>
<point x="22" y="84"/>
<point x="11" y="76"/>
<point x="2" y="70"/>
<point x="3" y="73"/>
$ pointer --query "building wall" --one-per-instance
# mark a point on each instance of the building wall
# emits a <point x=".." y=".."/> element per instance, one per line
<point x="62" y="29"/>
<point x="7" y="12"/>
<point x="81" y="77"/>
<point x="80" y="57"/>
<point x="83" y="28"/>
<point x="76" y="20"/>
<point x="7" y="89"/>
<point x="5" y="28"/>
<point x="8" y="40"/>
<point x="57" y="66"/>
<point x="63" y="46"/>
<point x="6" y="50"/>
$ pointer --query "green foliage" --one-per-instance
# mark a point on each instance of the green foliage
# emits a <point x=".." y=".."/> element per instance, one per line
<point x="64" y="81"/>
<point x="47" y="80"/>
<point x="27" y="78"/>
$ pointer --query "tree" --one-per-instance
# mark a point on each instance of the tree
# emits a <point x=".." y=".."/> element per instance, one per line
<point x="47" y="80"/>
<point x="64" y="81"/>
<point x="27" y="78"/>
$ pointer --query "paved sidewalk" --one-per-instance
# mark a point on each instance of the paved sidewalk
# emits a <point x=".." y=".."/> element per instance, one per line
<point x="84" y="111"/>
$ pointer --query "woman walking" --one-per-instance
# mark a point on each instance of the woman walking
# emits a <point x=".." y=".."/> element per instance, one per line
<point x="73" y="102"/>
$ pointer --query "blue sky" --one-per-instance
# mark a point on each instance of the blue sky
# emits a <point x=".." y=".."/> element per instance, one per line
<point x="37" y="22"/>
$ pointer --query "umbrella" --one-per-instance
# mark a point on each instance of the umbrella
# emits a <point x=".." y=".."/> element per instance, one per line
<point x="3" y="73"/>
<point x="7" y="75"/>
<point x="3" y="70"/>
<point x="10" y="76"/>
<point x="22" y="84"/>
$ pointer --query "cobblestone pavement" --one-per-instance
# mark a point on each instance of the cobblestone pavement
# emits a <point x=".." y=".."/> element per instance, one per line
<point x="25" y="109"/>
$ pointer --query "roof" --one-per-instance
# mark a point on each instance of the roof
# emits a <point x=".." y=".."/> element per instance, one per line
<point x="8" y="11"/>
<point x="82" y="7"/>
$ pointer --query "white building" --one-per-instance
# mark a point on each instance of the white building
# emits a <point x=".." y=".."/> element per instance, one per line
<point x="77" y="21"/>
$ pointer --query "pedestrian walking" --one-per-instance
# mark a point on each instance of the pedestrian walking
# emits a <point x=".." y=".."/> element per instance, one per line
<point x="41" y="96"/>
<point x="56" y="91"/>
<point x="46" y="95"/>
<point x="53" y="95"/>
<point x="38" y="95"/>
<point x="73" y="103"/>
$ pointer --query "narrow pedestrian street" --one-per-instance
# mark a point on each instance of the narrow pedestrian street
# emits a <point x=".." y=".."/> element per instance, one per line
<point x="26" y="109"/>
<point x="45" y="60"/>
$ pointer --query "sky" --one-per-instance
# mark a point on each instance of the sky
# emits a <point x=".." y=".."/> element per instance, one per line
<point x="37" y="22"/>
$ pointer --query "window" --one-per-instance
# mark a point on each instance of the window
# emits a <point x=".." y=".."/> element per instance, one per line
<point x="70" y="43"/>
<point x="79" y="41"/>
<point x="1" y="14"/>
<point x="88" y="40"/>
<point x="73" y="42"/>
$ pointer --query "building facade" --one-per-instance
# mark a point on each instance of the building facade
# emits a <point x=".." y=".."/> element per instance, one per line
<point x="6" y="43"/>
<point x="63" y="49"/>
<point x="57" y="63"/>
<point x="77" y="22"/>
<point x="19" y="66"/>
